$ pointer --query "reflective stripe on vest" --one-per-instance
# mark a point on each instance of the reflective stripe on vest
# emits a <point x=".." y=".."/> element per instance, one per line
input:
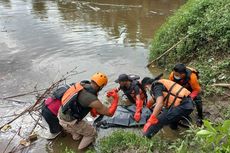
<point x="70" y="93"/>
<point x="174" y="94"/>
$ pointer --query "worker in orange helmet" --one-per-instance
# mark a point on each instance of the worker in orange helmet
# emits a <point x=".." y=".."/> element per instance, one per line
<point x="78" y="101"/>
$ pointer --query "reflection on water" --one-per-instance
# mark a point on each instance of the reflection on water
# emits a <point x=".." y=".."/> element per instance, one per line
<point x="42" y="39"/>
<point x="132" y="21"/>
<point x="6" y="3"/>
<point x="39" y="8"/>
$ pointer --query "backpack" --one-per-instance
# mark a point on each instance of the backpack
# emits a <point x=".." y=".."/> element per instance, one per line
<point x="59" y="92"/>
<point x="194" y="71"/>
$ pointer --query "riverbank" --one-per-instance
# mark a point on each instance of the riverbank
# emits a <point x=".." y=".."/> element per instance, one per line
<point x="205" y="24"/>
<point x="203" y="27"/>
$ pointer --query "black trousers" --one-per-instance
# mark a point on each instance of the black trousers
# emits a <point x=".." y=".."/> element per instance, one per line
<point x="199" y="107"/>
<point x="52" y="120"/>
<point x="171" y="117"/>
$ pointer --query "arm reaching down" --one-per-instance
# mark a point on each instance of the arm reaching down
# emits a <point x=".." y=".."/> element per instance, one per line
<point x="139" y="105"/>
<point x="102" y="109"/>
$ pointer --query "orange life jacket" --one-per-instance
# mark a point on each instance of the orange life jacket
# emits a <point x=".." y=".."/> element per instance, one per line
<point x="70" y="102"/>
<point x="174" y="94"/>
<point x="71" y="93"/>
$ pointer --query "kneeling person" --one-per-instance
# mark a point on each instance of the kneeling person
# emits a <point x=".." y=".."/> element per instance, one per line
<point x="77" y="102"/>
<point x="132" y="88"/>
<point x="173" y="97"/>
<point x="50" y="111"/>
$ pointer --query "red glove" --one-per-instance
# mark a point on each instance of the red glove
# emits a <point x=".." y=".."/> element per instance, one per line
<point x="151" y="121"/>
<point x="137" y="117"/>
<point x="149" y="104"/>
<point x="139" y="105"/>
<point x="193" y="94"/>
<point x="114" y="103"/>
<point x="111" y="91"/>
<point x="93" y="112"/>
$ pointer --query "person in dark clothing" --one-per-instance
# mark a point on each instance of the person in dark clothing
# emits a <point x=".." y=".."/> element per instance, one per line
<point x="50" y="115"/>
<point x="173" y="97"/>
<point x="133" y="90"/>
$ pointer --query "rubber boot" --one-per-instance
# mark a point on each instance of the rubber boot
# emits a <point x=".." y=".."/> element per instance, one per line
<point x="86" y="141"/>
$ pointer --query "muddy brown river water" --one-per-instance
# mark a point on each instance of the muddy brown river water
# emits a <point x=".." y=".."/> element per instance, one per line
<point x="41" y="40"/>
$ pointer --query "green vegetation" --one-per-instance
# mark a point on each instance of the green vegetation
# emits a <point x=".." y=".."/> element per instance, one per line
<point x="206" y="22"/>
<point x="123" y="141"/>
<point x="207" y="25"/>
<point x="210" y="138"/>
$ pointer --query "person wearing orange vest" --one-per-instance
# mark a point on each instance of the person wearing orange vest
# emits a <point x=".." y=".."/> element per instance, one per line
<point x="134" y="93"/>
<point x="173" y="97"/>
<point x="78" y="101"/>
<point x="188" y="78"/>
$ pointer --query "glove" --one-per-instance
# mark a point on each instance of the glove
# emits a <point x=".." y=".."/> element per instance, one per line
<point x="151" y="121"/>
<point x="193" y="94"/>
<point x="139" y="105"/>
<point x="115" y="90"/>
<point x="112" y="93"/>
<point x="93" y="112"/>
<point x="137" y="117"/>
<point x="149" y="104"/>
<point x="114" y="103"/>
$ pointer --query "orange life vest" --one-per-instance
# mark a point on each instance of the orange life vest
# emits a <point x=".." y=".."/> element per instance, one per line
<point x="174" y="94"/>
<point x="71" y="93"/>
<point x="70" y="102"/>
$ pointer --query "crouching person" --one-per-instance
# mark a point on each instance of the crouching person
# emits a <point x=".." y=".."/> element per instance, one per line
<point x="50" y="111"/>
<point x="77" y="102"/>
<point x="173" y="97"/>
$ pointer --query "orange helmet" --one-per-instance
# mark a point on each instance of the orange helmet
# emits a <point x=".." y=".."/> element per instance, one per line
<point x="100" y="79"/>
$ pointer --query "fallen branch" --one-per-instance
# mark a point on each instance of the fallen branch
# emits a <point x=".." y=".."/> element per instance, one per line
<point x="42" y="96"/>
<point x="16" y="100"/>
<point x="22" y="94"/>
<point x="16" y="149"/>
<point x="9" y="116"/>
<point x="36" y="123"/>
<point x="11" y="140"/>
<point x="166" y="51"/>
<point x="30" y="108"/>
<point x="222" y="85"/>
<point x="36" y="120"/>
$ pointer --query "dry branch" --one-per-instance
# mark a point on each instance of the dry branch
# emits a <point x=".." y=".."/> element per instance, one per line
<point x="40" y="99"/>
<point x="11" y="140"/>
<point x="167" y="51"/>
<point x="222" y="85"/>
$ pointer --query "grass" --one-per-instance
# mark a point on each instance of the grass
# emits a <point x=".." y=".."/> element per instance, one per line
<point x="210" y="138"/>
<point x="207" y="48"/>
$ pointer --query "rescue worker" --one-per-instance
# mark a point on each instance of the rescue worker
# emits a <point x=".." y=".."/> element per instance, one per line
<point x="50" y="111"/>
<point x="134" y="92"/>
<point x="172" y="96"/>
<point x="188" y="78"/>
<point x="78" y="101"/>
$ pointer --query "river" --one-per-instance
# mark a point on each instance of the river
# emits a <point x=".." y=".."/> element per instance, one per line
<point x="40" y="40"/>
